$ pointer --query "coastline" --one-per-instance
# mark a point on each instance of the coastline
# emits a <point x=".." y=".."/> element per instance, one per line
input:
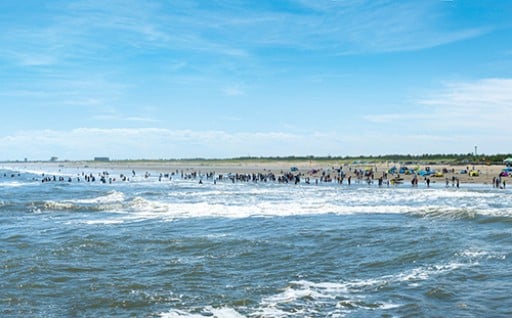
<point x="305" y="168"/>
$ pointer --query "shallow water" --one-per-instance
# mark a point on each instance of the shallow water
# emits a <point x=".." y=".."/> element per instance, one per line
<point x="176" y="248"/>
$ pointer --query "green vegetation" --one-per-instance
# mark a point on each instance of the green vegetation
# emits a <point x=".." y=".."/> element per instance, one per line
<point x="432" y="158"/>
<point x="424" y="158"/>
<point x="470" y="158"/>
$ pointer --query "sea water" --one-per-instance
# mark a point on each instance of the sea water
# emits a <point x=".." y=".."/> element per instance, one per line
<point x="177" y="248"/>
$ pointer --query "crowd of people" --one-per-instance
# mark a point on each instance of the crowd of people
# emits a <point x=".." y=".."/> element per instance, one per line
<point x="332" y="175"/>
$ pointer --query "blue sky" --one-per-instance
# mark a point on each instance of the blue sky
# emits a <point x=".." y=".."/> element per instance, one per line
<point x="228" y="78"/>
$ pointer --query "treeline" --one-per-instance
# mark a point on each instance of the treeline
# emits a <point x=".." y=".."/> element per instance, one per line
<point x="468" y="158"/>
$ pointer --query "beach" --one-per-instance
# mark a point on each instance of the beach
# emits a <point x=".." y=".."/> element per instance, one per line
<point x="306" y="169"/>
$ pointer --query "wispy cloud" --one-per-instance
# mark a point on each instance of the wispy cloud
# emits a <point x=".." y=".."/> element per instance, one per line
<point x="351" y="27"/>
<point x="470" y="108"/>
<point x="115" y="115"/>
<point x="475" y="107"/>
<point x="141" y="143"/>
<point x="232" y="91"/>
<point x="154" y="143"/>
<point x="85" y="29"/>
<point x="230" y="118"/>
<point x="117" y="118"/>
<point x="481" y="96"/>
<point x="397" y="117"/>
<point x="81" y="94"/>
<point x="131" y="143"/>
<point x="97" y="63"/>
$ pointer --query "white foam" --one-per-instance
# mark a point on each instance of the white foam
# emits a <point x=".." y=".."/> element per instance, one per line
<point x="224" y="312"/>
<point x="339" y="298"/>
<point x="14" y="184"/>
<point x="53" y="205"/>
<point x="239" y="204"/>
<point x="111" y="197"/>
<point x="39" y="171"/>
<point x="140" y="207"/>
<point x="151" y="209"/>
<point x="476" y="254"/>
<point x="425" y="272"/>
<point x="179" y="314"/>
<point x="388" y="306"/>
<point x="187" y="199"/>
<point x="272" y="312"/>
<point x="355" y="291"/>
<point x="103" y="222"/>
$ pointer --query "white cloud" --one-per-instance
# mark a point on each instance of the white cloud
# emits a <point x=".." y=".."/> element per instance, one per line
<point x="482" y="96"/>
<point x="456" y="117"/>
<point x="128" y="143"/>
<point x="481" y="105"/>
<point x="160" y="143"/>
<point x="476" y="104"/>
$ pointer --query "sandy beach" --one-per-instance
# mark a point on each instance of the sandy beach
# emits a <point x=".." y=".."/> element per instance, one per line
<point x="312" y="169"/>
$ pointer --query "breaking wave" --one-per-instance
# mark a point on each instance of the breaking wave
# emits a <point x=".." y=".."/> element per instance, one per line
<point x="288" y="201"/>
<point x="303" y="298"/>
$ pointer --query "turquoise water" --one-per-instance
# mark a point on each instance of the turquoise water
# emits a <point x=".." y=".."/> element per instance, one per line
<point x="177" y="248"/>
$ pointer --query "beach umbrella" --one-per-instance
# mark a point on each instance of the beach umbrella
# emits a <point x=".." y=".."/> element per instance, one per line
<point x="507" y="161"/>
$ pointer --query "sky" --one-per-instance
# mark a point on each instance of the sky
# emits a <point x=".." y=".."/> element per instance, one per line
<point x="137" y="79"/>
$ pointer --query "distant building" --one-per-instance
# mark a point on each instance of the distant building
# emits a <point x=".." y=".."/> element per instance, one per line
<point x="103" y="159"/>
<point x="53" y="159"/>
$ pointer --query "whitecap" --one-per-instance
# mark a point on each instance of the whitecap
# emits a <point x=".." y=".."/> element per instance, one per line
<point x="110" y="197"/>
<point x="14" y="184"/>
<point x="223" y="312"/>
<point x="353" y="293"/>
<point x="54" y="205"/>
<point x="477" y="254"/>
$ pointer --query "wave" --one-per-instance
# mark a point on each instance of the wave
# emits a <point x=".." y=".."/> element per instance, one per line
<point x="140" y="208"/>
<point x="223" y="312"/>
<point x="137" y="201"/>
<point x="110" y="197"/>
<point x="268" y="209"/>
<point x="14" y="184"/>
<point x="112" y="202"/>
<point x="39" y="172"/>
<point x="52" y="205"/>
<point x="303" y="298"/>
<point x="474" y="255"/>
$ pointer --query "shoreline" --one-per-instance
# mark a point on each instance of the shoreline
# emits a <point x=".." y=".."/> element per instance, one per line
<point x="311" y="168"/>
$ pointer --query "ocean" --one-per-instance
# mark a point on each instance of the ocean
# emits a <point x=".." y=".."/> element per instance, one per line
<point x="154" y="247"/>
